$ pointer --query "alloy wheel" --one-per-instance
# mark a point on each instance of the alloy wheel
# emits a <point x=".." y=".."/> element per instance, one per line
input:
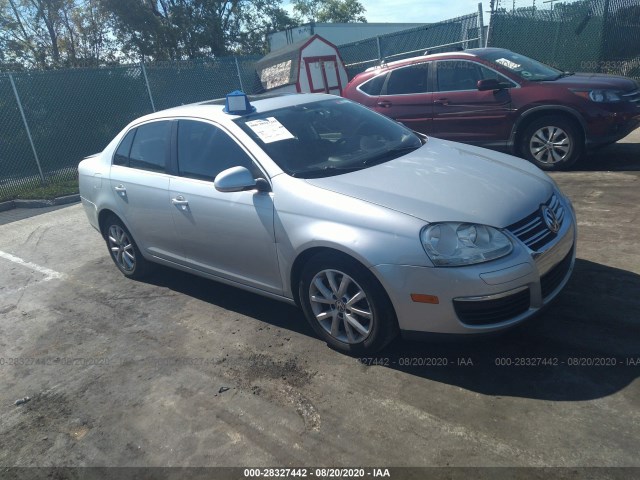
<point x="550" y="145"/>
<point x="340" y="306"/>
<point x="121" y="248"/>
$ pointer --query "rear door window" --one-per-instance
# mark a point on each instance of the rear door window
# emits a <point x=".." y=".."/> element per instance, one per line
<point x="150" y="147"/>
<point x="456" y="75"/>
<point x="407" y="80"/>
<point x="373" y="86"/>
<point x="121" y="157"/>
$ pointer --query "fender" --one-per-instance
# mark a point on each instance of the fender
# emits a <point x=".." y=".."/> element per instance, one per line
<point x="511" y="143"/>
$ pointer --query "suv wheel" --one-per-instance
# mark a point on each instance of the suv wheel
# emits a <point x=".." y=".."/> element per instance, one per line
<point x="551" y="143"/>
<point x="346" y="305"/>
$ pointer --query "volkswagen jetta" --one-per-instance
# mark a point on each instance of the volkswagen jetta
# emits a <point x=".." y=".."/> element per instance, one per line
<point x="369" y="227"/>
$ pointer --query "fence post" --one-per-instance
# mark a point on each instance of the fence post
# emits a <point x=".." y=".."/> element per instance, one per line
<point x="603" y="36"/>
<point x="26" y="126"/>
<point x="146" y="81"/>
<point x="239" y="74"/>
<point x="490" y="25"/>
<point x="379" y="49"/>
<point x="481" y="42"/>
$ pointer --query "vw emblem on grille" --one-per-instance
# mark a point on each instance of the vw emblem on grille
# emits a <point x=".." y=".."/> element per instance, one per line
<point x="550" y="219"/>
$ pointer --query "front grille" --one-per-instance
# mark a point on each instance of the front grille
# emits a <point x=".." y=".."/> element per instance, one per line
<point x="487" y="312"/>
<point x="533" y="231"/>
<point x="554" y="277"/>
<point x="632" y="97"/>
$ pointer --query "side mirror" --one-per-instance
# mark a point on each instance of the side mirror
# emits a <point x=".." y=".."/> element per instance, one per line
<point x="238" y="179"/>
<point x="491" y="84"/>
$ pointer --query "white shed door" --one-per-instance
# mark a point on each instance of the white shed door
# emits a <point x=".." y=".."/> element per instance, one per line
<point x="323" y="74"/>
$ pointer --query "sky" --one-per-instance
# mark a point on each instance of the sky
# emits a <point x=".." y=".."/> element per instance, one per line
<point x="417" y="11"/>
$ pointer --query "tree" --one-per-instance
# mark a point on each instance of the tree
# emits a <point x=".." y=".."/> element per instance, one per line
<point x="188" y="29"/>
<point x="59" y="33"/>
<point x="52" y="33"/>
<point x="627" y="15"/>
<point x="259" y="20"/>
<point x="336" y="11"/>
<point x="30" y="31"/>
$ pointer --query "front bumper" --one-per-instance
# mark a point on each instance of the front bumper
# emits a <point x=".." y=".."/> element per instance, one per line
<point x="613" y="124"/>
<point x="486" y="297"/>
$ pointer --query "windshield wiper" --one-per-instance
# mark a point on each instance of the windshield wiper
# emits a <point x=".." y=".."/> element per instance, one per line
<point x="330" y="170"/>
<point x="560" y="75"/>
<point x="393" y="152"/>
<point x="327" y="171"/>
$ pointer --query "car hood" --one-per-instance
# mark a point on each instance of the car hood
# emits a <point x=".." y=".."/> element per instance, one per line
<point x="596" y="80"/>
<point x="449" y="181"/>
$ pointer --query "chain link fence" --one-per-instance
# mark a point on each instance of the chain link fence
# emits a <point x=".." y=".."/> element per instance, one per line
<point x="601" y="36"/>
<point x="50" y="120"/>
<point x="461" y="32"/>
<point x="17" y="164"/>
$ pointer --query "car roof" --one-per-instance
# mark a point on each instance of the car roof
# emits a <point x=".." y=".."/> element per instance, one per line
<point x="213" y="109"/>
<point x="472" y="52"/>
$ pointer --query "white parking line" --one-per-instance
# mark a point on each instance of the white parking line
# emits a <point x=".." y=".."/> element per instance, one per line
<point x="47" y="272"/>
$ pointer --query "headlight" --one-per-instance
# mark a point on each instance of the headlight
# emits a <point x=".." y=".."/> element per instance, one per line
<point x="605" y="96"/>
<point x="453" y="244"/>
<point x="600" y="96"/>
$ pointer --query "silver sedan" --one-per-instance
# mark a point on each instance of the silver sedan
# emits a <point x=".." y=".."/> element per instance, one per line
<point x="370" y="228"/>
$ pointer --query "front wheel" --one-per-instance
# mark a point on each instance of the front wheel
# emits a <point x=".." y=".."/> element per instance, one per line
<point x="552" y="143"/>
<point x="346" y="305"/>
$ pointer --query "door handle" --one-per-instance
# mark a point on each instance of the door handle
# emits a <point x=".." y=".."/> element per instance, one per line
<point x="180" y="201"/>
<point x="384" y="104"/>
<point x="441" y="101"/>
<point x="121" y="190"/>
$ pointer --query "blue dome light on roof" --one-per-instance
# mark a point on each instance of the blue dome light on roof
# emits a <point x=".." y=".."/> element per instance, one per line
<point x="237" y="103"/>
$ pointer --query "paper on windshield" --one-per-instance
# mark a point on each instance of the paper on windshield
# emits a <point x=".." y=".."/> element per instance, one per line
<point x="508" y="63"/>
<point x="269" y="130"/>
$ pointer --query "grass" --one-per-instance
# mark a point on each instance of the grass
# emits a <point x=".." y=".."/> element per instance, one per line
<point x="55" y="188"/>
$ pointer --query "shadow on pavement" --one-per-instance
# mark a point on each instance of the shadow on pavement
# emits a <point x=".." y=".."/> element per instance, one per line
<point x="586" y="345"/>
<point x="590" y="339"/>
<point x="264" y="309"/>
<point x="621" y="156"/>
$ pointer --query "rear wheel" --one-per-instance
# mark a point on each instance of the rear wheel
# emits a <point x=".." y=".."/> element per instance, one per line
<point x="552" y="143"/>
<point x="123" y="249"/>
<point x="346" y="305"/>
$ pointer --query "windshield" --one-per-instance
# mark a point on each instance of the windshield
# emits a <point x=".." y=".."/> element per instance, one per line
<point x="327" y="138"/>
<point x="524" y="67"/>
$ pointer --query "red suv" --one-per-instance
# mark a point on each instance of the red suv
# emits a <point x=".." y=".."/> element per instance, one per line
<point x="495" y="98"/>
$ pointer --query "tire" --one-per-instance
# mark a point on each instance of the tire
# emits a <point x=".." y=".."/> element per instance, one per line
<point x="365" y="326"/>
<point x="123" y="249"/>
<point x="552" y="143"/>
